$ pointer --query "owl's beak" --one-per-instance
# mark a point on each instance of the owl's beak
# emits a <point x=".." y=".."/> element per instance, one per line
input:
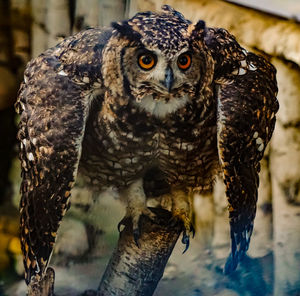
<point x="169" y="79"/>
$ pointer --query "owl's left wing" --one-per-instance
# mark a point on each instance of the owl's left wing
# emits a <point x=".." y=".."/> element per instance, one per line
<point x="54" y="103"/>
<point x="52" y="119"/>
<point x="247" y="105"/>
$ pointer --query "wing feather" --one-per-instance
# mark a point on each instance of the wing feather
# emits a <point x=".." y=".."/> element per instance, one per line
<point x="246" y="118"/>
<point x="53" y="104"/>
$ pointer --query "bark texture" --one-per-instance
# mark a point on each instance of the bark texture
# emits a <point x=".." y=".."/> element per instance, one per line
<point x="136" y="270"/>
<point x="44" y="287"/>
<point x="132" y="270"/>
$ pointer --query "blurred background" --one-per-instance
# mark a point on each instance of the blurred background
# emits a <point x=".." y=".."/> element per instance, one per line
<point x="89" y="231"/>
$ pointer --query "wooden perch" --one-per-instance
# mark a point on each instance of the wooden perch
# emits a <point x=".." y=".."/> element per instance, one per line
<point x="136" y="271"/>
<point x="45" y="287"/>
<point x="132" y="270"/>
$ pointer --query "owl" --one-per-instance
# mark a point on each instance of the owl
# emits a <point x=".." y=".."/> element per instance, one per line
<point x="153" y="98"/>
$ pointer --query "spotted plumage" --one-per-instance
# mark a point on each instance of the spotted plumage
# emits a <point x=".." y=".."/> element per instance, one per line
<point x="152" y="100"/>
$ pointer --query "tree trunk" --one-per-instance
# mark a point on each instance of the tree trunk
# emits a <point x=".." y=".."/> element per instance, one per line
<point x="132" y="270"/>
<point x="45" y="287"/>
<point x="136" y="270"/>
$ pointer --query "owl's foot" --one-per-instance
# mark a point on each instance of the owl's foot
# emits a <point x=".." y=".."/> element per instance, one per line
<point x="188" y="229"/>
<point x="134" y="214"/>
<point x="136" y="207"/>
<point x="181" y="212"/>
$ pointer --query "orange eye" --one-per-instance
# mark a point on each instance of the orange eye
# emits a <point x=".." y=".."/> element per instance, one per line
<point x="146" y="61"/>
<point x="184" y="61"/>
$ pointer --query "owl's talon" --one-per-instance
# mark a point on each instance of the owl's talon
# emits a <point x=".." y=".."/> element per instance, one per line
<point x="135" y="217"/>
<point x="122" y="223"/>
<point x="188" y="228"/>
<point x="136" y="207"/>
<point x="135" y="227"/>
<point x="192" y="230"/>
<point x="136" y="236"/>
<point x="185" y="240"/>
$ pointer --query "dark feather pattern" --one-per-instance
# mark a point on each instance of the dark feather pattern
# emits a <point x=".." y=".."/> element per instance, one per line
<point x="86" y="105"/>
<point x="127" y="31"/>
<point x="247" y="106"/>
<point x="53" y="113"/>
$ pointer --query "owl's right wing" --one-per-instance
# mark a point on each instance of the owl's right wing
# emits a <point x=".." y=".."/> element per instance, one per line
<point x="53" y="104"/>
<point x="246" y="91"/>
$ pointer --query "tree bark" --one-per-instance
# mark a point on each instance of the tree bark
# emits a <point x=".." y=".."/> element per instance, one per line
<point x="45" y="287"/>
<point x="134" y="270"/>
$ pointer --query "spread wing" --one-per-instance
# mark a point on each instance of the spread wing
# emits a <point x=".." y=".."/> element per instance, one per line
<point x="246" y="117"/>
<point x="53" y="104"/>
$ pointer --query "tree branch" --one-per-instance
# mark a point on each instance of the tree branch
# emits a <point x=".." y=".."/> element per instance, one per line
<point x="136" y="270"/>
<point x="44" y="287"/>
<point x="132" y="270"/>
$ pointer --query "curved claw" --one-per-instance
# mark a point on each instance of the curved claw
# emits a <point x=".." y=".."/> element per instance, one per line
<point x="135" y="222"/>
<point x="136" y="231"/>
<point x="119" y="225"/>
<point x="187" y="228"/>
<point x="192" y="230"/>
<point x="122" y="222"/>
<point x="185" y="240"/>
<point x="136" y="236"/>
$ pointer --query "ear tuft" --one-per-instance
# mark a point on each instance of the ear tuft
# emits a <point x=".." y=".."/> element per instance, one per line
<point x="199" y="30"/>
<point x="200" y="25"/>
<point x="117" y="26"/>
<point x="127" y="31"/>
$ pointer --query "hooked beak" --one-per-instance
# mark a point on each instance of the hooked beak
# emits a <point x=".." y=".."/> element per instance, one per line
<point x="169" y="79"/>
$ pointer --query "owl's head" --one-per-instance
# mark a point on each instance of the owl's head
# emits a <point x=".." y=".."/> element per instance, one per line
<point x="159" y="58"/>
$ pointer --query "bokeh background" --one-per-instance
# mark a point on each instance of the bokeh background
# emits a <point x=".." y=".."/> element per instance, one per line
<point x="88" y="233"/>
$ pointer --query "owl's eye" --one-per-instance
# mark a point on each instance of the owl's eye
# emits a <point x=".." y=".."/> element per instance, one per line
<point x="147" y="61"/>
<point x="184" y="61"/>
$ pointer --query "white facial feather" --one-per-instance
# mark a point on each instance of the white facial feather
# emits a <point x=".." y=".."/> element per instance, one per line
<point x="161" y="108"/>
